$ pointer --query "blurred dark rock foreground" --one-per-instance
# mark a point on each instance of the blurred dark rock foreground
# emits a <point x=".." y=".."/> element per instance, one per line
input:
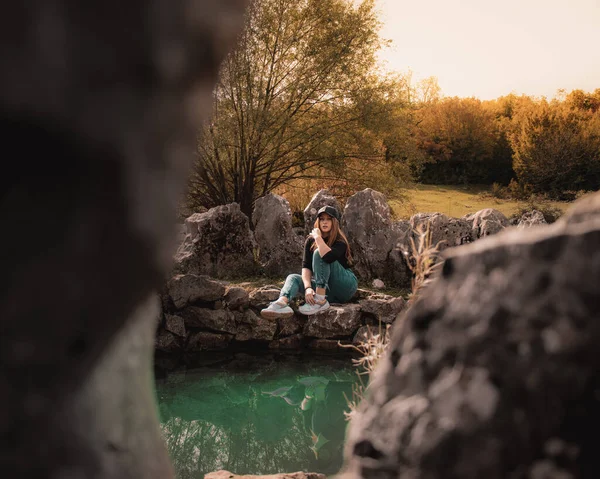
<point x="99" y="105"/>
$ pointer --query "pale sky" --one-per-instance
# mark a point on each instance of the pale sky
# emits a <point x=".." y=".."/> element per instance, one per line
<point x="490" y="48"/>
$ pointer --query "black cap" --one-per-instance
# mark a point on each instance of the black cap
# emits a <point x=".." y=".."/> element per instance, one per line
<point x="330" y="210"/>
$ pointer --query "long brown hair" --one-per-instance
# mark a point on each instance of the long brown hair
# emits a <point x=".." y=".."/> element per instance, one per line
<point x="335" y="234"/>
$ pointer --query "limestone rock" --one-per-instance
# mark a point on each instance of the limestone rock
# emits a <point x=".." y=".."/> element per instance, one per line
<point x="175" y="325"/>
<point x="261" y="297"/>
<point x="378" y="284"/>
<point x="384" y="307"/>
<point x="584" y="209"/>
<point x="488" y="222"/>
<point x="206" y="341"/>
<point x="280" y="249"/>
<point x="335" y="322"/>
<point x="167" y="342"/>
<point x="496" y="358"/>
<point x="290" y="326"/>
<point x="446" y="232"/>
<point x="236" y="298"/>
<point x="531" y="218"/>
<point x="220" y="320"/>
<point x="373" y="238"/>
<point x="289" y="475"/>
<point x="250" y="326"/>
<point x="186" y="289"/>
<point x="218" y="243"/>
<point x="320" y="199"/>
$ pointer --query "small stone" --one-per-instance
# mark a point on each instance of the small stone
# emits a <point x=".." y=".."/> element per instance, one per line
<point x="218" y="305"/>
<point x="378" y="284"/>
<point x="236" y="298"/>
<point x="175" y="325"/>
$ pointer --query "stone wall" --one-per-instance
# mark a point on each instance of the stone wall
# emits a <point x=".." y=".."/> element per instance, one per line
<point x="202" y="314"/>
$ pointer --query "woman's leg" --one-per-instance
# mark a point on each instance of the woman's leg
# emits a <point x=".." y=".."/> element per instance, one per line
<point x="321" y="273"/>
<point x="281" y="308"/>
<point x="342" y="284"/>
<point x="320" y="278"/>
<point x="292" y="286"/>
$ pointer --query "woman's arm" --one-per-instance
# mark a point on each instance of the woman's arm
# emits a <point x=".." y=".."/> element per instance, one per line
<point x="322" y="247"/>
<point x="309" y="293"/>
<point x="306" y="277"/>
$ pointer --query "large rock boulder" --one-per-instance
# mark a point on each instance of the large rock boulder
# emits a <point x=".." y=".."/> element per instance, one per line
<point x="446" y="232"/>
<point x="336" y="321"/>
<point x="218" y="243"/>
<point x="487" y="222"/>
<point x="374" y="238"/>
<point x="186" y="289"/>
<point x="383" y="307"/>
<point x="261" y="297"/>
<point x="585" y="209"/>
<point x="207" y="341"/>
<point x="320" y="199"/>
<point x="167" y="342"/>
<point x="279" y="247"/>
<point x="290" y="326"/>
<point x="495" y="369"/>
<point x="175" y="325"/>
<point x="219" y="320"/>
<point x="531" y="218"/>
<point x="236" y="298"/>
<point x="250" y="326"/>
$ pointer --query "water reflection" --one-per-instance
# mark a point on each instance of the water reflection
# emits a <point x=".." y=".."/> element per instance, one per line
<point x="278" y="416"/>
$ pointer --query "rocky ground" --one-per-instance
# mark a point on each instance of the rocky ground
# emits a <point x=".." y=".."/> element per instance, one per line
<point x="201" y="313"/>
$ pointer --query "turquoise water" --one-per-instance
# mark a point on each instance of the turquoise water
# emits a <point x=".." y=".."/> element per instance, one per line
<point x="256" y="415"/>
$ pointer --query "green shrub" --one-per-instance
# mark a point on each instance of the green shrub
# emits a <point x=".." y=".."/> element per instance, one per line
<point x="499" y="191"/>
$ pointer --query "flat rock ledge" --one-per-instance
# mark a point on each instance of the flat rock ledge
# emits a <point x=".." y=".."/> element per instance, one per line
<point x="200" y="313"/>
<point x="282" y="475"/>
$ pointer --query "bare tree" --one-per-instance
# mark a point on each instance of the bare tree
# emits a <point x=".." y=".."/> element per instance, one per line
<point x="288" y="98"/>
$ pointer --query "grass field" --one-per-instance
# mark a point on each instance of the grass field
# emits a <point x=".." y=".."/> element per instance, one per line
<point x="454" y="200"/>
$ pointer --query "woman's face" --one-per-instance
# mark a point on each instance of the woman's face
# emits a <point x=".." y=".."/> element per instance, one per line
<point x="325" y="223"/>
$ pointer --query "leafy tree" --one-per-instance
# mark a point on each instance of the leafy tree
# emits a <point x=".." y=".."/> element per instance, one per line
<point x="556" y="147"/>
<point x="288" y="102"/>
<point x="459" y="137"/>
<point x="581" y="100"/>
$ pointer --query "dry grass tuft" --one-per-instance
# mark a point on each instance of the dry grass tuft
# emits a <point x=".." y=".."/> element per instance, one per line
<point x="371" y="351"/>
<point x="422" y="259"/>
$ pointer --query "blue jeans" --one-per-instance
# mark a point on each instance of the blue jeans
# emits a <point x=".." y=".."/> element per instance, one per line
<point x="340" y="283"/>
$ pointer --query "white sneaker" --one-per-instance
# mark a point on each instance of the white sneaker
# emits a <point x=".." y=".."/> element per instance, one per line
<point x="309" y="309"/>
<point x="277" y="309"/>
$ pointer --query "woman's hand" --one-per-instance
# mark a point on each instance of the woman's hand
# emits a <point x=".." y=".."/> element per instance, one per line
<point x="316" y="233"/>
<point x="309" y="295"/>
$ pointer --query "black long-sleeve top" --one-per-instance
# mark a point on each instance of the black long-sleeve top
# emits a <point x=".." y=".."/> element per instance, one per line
<point x="337" y="253"/>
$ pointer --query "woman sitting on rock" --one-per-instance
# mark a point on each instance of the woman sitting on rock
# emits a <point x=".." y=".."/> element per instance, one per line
<point x="326" y="274"/>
